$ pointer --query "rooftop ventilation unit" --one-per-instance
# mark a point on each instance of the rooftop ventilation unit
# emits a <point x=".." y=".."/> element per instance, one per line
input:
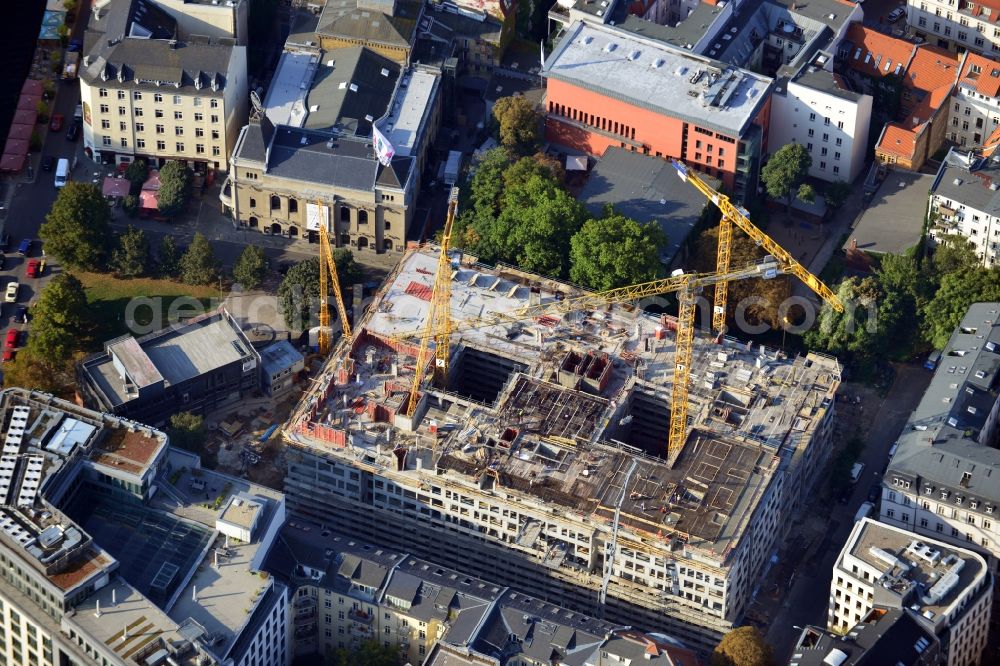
<point x="633" y="55"/>
<point x="611" y="46"/>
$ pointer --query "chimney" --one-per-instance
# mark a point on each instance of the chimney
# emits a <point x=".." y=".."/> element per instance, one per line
<point x="194" y="593"/>
<point x="114" y="597"/>
<point x="125" y="632"/>
<point x="97" y="613"/>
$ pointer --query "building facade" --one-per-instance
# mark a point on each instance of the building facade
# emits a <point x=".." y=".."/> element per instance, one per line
<point x="955" y="422"/>
<point x="158" y="97"/>
<point x="963" y="202"/>
<point x="957" y="25"/>
<point x="975" y="103"/>
<point x="717" y="122"/>
<point x="951" y="589"/>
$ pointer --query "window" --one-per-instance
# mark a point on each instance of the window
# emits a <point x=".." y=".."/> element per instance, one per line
<point x="180" y="147"/>
<point x="198" y="117"/>
<point x="178" y="115"/>
<point x="138" y="112"/>
<point x="178" y="131"/>
<point x="214" y="104"/>
<point x="160" y="129"/>
<point x="822" y="165"/>
<point x="293" y="206"/>
<point x="922" y="22"/>
<point x="106" y="140"/>
<point x="215" y="120"/>
<point x="812" y="116"/>
<point x="890" y="513"/>
<point x="253" y="204"/>
<point x="105" y="124"/>
<point x="158" y="113"/>
<point x="362" y="217"/>
<point x="139" y="127"/>
<point x="158" y="98"/>
<point x="836" y="169"/>
<point x="811" y="133"/>
<point x="121" y="110"/>
<point x="840" y="124"/>
<point x="103" y="92"/>
<point x="809" y="147"/>
<point x="197" y="101"/>
<point x="105" y="108"/>
<point x="177" y="99"/>
<point x="215" y="135"/>
<point x="822" y="152"/>
<point x="199" y="132"/>
<point x="121" y="126"/>
<point x="216" y="151"/>
<point x="826" y="121"/>
<point x="826" y="137"/>
<point x="963" y="36"/>
<point x="836" y="155"/>
<point x="137" y="95"/>
<point x="124" y="142"/>
<point x="839" y="142"/>
<point x="345" y="214"/>
<point x="161" y="145"/>
<point x="140" y="143"/>
<point x="275" y="202"/>
<point x="199" y="148"/>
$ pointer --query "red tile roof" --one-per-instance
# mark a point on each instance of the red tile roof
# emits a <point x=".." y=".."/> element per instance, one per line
<point x="877" y="54"/>
<point x="982" y="74"/>
<point x="931" y="68"/>
<point x="991" y="144"/>
<point x="897" y="140"/>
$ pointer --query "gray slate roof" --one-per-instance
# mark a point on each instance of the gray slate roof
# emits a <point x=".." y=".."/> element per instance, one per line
<point x="346" y="21"/>
<point x="891" y="639"/>
<point x="970" y="186"/>
<point x="940" y="443"/>
<point x="893" y="221"/>
<point x="140" y="63"/>
<point x="635" y="185"/>
<point x="339" y="107"/>
<point x="362" y="571"/>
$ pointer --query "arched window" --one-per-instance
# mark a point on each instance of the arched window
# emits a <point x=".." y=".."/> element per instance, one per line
<point x="275" y="202"/>
<point x="362" y="217"/>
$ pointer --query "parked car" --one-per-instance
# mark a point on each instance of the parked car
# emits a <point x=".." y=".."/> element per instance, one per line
<point x="74" y="46"/>
<point x="874" y="492"/>
<point x="21" y="314"/>
<point x="896" y="14"/>
<point x="864" y="511"/>
<point x="33" y="269"/>
<point x="73" y="131"/>
<point x="8" y="355"/>
<point x="25" y="247"/>
<point x="856" y="471"/>
<point x="56" y="123"/>
<point x="10" y="342"/>
<point x="48" y="163"/>
<point x="10" y="296"/>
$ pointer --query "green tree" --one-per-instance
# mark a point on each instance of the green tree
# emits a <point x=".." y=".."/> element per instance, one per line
<point x="757" y="299"/>
<point x="130" y="257"/>
<point x="136" y="172"/>
<point x="806" y="193"/>
<point x="864" y="330"/>
<point x="520" y="123"/>
<point x="60" y="323"/>
<point x="76" y="229"/>
<point x="743" y="646"/>
<point x="481" y="199"/>
<point x="788" y="167"/>
<point x="954" y="253"/>
<point x="836" y="194"/>
<point x="35" y="141"/>
<point x="187" y="431"/>
<point x="169" y="257"/>
<point x="130" y="204"/>
<point x="615" y="251"/>
<point x="958" y="290"/>
<point x="533" y="229"/>
<point x="175" y="184"/>
<point x="42" y="109"/>
<point x="198" y="265"/>
<point x="298" y="293"/>
<point x="369" y="653"/>
<point x="251" y="267"/>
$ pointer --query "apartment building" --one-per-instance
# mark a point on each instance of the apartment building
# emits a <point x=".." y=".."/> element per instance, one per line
<point x="815" y="108"/>
<point x="348" y="592"/>
<point x="388" y="27"/>
<point x="950" y="589"/>
<point x="99" y="567"/>
<point x="208" y="18"/>
<point x="603" y="87"/>
<point x="957" y="25"/>
<point x="148" y="93"/>
<point x="197" y="366"/>
<point x="883" y="636"/>
<point x="940" y="481"/>
<point x="308" y="159"/>
<point x="963" y="202"/>
<point x="583" y="422"/>
<point x="975" y="103"/>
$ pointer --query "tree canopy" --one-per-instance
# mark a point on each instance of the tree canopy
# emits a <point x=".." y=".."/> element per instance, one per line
<point x="77" y="227"/>
<point x="168" y="256"/>
<point x="615" y="251"/>
<point x="60" y="321"/>
<point x="743" y="646"/>
<point x="136" y="172"/>
<point x="862" y="330"/>
<point x="198" y="265"/>
<point x="369" y="653"/>
<point x="130" y="257"/>
<point x="251" y="267"/>
<point x="298" y="293"/>
<point x="954" y="253"/>
<point x="175" y="185"/>
<point x="786" y="169"/>
<point x="187" y="431"/>
<point x="520" y="123"/>
<point x="836" y="194"/>
<point x="957" y="292"/>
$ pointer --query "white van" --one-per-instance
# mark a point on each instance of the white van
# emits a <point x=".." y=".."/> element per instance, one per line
<point x="62" y="172"/>
<point x="856" y="471"/>
<point x="864" y="511"/>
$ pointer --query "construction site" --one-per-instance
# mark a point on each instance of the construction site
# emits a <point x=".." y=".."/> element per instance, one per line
<point x="534" y="449"/>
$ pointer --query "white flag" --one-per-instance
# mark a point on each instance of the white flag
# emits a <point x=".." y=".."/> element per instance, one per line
<point x="383" y="149"/>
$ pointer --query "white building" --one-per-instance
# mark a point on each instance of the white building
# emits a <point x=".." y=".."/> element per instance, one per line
<point x="884" y="566"/>
<point x="941" y="482"/>
<point x="964" y="200"/>
<point x="817" y="110"/>
<point x="975" y="104"/>
<point x="957" y="25"/>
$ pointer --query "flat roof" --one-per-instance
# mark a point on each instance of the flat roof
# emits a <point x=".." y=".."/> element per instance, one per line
<point x="893" y="221"/>
<point x="131" y="451"/>
<point x="684" y="34"/>
<point x="636" y="70"/>
<point x="284" y="103"/>
<point x="134" y="360"/>
<point x="279" y="356"/>
<point x="198" y="347"/>
<point x="646" y="189"/>
<point x="406" y="118"/>
<point x="241" y="510"/>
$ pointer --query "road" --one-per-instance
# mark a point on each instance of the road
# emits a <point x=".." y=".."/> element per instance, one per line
<point x="807" y="600"/>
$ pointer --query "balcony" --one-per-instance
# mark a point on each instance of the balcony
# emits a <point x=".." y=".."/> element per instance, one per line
<point x="226" y="193"/>
<point x="359" y="616"/>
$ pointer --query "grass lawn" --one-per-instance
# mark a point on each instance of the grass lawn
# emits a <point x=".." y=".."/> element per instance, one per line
<point x="143" y="305"/>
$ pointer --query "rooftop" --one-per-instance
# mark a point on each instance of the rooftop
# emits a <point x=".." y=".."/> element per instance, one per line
<point x="409" y="114"/>
<point x="884" y="636"/>
<point x="970" y="181"/>
<point x="171" y="66"/>
<point x="279" y="356"/>
<point x="682" y="35"/>
<point x="980" y="74"/>
<point x="346" y="20"/>
<point x="893" y="221"/>
<point x="645" y="189"/>
<point x="568" y="404"/>
<point x="924" y="575"/>
<point x="944" y="448"/>
<point x="875" y="53"/>
<point x="350" y="89"/>
<point x="635" y="70"/>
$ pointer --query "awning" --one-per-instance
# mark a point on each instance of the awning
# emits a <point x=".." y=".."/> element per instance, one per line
<point x="115" y="187"/>
<point x="18" y="131"/>
<point x="32" y="87"/>
<point x="51" y="20"/>
<point x="12" y="162"/>
<point x="147" y="200"/>
<point x="152" y="183"/>
<point x="576" y="163"/>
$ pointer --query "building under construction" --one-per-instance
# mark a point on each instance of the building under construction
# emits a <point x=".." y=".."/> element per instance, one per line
<point x="543" y="461"/>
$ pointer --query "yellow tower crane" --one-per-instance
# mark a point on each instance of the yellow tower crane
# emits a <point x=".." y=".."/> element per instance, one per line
<point x="733" y="214"/>
<point x="327" y="272"/>
<point x="438" y="316"/>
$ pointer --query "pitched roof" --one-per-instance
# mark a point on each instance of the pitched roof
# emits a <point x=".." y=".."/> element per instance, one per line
<point x="931" y="68"/>
<point x="981" y="74"/>
<point x="372" y="27"/>
<point x="991" y="143"/>
<point x="350" y="85"/>
<point x="877" y="54"/>
<point x="897" y="140"/>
